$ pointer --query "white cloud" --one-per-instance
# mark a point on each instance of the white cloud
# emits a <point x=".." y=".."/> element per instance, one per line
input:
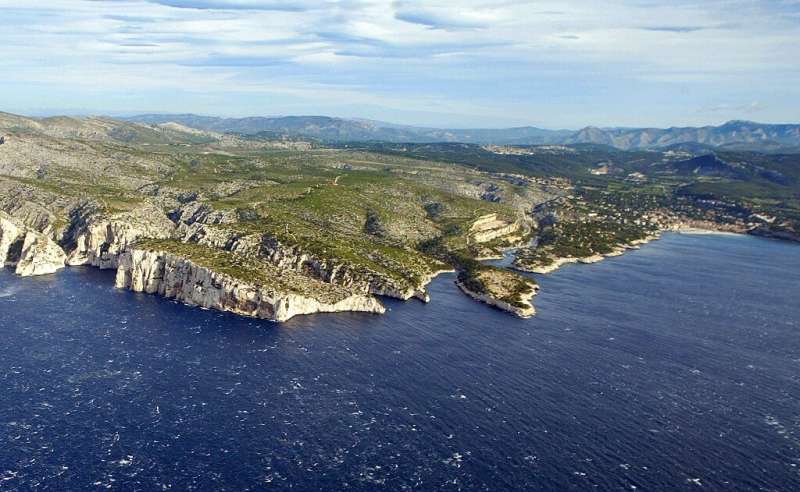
<point x="478" y="55"/>
<point x="734" y="108"/>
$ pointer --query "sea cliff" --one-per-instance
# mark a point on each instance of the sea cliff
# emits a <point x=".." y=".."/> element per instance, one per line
<point x="172" y="276"/>
<point x="268" y="290"/>
<point x="30" y="252"/>
<point x="98" y="240"/>
<point x="296" y="258"/>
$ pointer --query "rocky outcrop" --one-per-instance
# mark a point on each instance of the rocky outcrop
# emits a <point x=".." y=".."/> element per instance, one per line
<point x="31" y="215"/>
<point x="40" y="255"/>
<point x="172" y="276"/>
<point x="784" y="234"/>
<point x="31" y="252"/>
<point x="342" y="273"/>
<point x="98" y="240"/>
<point x="525" y="308"/>
<point x="215" y="237"/>
<point x="196" y="212"/>
<point x="490" y="227"/>
<point x="12" y="236"/>
<point x="502" y="229"/>
<point x="295" y="258"/>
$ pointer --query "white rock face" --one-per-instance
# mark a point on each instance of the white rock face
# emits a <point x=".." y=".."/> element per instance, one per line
<point x="342" y="273"/>
<point x="31" y="252"/>
<point x="40" y="256"/>
<point x="101" y="241"/>
<point x="109" y="242"/>
<point x="294" y="258"/>
<point x="499" y="229"/>
<point x="178" y="278"/>
<point x="10" y="235"/>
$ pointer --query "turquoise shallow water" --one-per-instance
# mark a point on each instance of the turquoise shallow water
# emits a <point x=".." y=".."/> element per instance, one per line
<point x="675" y="367"/>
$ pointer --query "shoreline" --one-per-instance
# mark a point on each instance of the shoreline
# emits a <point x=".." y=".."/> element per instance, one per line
<point x="557" y="263"/>
<point x="621" y="249"/>
<point x="525" y="312"/>
<point x="699" y="231"/>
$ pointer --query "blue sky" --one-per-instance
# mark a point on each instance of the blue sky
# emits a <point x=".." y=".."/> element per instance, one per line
<point x="470" y="63"/>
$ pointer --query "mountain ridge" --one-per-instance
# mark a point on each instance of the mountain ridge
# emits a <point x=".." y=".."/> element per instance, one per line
<point x="733" y="134"/>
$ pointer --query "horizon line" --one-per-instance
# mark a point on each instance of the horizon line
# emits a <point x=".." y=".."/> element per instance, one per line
<point x="134" y="114"/>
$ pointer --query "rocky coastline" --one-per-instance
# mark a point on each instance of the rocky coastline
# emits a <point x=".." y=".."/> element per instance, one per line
<point x="693" y="227"/>
<point x="28" y="251"/>
<point x="522" y="309"/>
<point x="558" y="262"/>
<point x="94" y="239"/>
<point x="175" y="277"/>
<point x="111" y="242"/>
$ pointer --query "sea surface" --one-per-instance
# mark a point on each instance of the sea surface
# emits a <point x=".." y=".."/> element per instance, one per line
<point x="674" y="367"/>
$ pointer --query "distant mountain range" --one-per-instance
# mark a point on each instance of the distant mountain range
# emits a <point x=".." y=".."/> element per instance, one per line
<point x="733" y="135"/>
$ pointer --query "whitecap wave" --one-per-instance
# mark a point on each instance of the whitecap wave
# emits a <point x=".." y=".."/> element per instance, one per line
<point x="8" y="292"/>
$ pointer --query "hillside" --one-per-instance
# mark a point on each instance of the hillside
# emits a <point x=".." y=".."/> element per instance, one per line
<point x="764" y="184"/>
<point x="268" y="227"/>
<point x="253" y="226"/>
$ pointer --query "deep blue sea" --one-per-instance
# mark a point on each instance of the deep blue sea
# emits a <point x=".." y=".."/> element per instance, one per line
<point x="674" y="367"/>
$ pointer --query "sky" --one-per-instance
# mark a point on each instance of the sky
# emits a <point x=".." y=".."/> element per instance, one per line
<point x="457" y="63"/>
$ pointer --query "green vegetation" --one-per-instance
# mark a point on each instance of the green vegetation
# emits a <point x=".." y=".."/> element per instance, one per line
<point x="497" y="283"/>
<point x="385" y="212"/>
<point x="700" y="183"/>
<point x="252" y="271"/>
<point x="592" y="222"/>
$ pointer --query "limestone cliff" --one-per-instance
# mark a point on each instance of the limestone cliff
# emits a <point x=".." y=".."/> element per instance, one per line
<point x="201" y="213"/>
<point x="490" y="227"/>
<point x="97" y="240"/>
<point x="502" y="230"/>
<point x="294" y="257"/>
<point x="343" y="273"/>
<point x="40" y="255"/>
<point x="11" y="237"/>
<point x="172" y="276"/>
<point x="31" y="252"/>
